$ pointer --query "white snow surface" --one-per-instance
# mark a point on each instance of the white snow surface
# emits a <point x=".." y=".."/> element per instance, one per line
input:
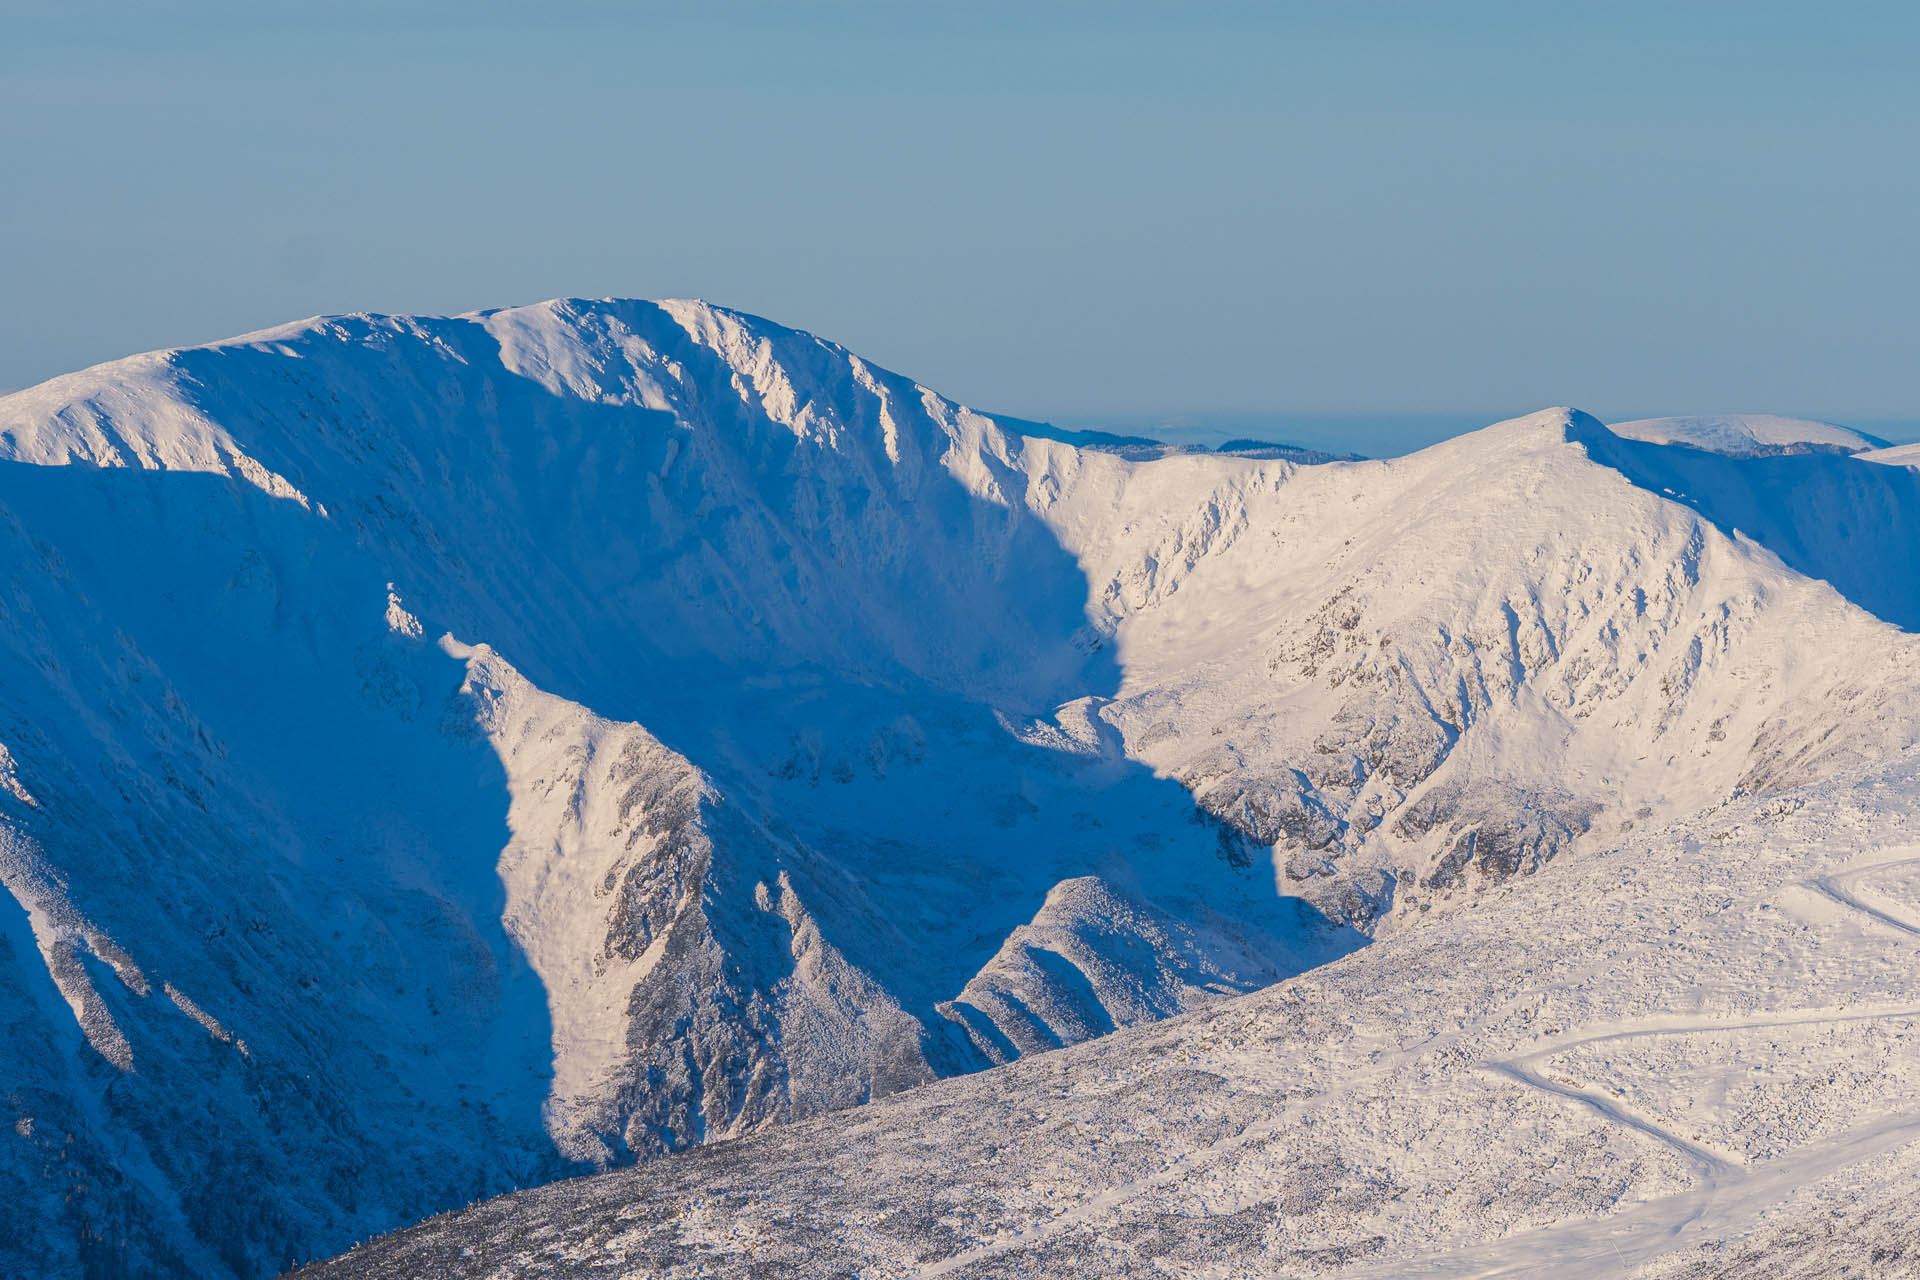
<point x="1748" y="434"/>
<point x="442" y="754"/>
<point x="1898" y="455"/>
<point x="1689" y="1054"/>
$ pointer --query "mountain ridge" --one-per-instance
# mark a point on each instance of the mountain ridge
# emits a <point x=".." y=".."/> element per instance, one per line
<point x="1750" y="435"/>
<point x="560" y="735"/>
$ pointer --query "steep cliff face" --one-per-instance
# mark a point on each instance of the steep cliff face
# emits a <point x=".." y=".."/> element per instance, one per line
<point x="441" y="754"/>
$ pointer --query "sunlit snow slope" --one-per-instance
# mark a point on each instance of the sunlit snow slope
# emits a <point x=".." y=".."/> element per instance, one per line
<point x="437" y="755"/>
<point x="1749" y="435"/>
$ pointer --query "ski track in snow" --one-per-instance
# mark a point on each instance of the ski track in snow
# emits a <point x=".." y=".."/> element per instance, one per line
<point x="1604" y="1248"/>
<point x="1838" y="887"/>
<point x="1727" y="1191"/>
<point x="1638" y="1234"/>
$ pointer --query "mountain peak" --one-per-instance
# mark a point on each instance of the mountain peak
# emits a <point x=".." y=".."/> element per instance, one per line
<point x="577" y="731"/>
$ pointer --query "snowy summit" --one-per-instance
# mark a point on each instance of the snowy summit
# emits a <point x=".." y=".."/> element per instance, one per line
<point x="1750" y="435"/>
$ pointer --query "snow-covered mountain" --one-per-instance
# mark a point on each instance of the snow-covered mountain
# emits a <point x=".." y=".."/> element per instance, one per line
<point x="1898" y="455"/>
<point x="443" y="754"/>
<point x="1750" y="435"/>
<point x="1687" y="1054"/>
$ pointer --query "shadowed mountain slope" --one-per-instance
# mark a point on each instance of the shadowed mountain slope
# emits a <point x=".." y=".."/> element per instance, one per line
<point x="440" y="754"/>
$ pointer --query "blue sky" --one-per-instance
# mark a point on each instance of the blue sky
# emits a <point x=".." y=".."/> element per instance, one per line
<point x="1056" y="210"/>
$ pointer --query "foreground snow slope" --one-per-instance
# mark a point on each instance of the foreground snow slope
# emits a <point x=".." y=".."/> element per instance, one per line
<point x="1689" y="1054"/>
<point x="437" y="754"/>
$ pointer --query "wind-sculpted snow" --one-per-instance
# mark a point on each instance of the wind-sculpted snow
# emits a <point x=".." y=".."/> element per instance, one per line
<point x="439" y="755"/>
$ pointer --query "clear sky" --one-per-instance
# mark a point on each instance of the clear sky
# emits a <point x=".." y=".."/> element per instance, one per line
<point x="1054" y="210"/>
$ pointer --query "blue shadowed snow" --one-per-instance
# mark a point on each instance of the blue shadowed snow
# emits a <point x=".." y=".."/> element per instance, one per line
<point x="250" y="771"/>
<point x="1853" y="523"/>
<point x="241" y="768"/>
